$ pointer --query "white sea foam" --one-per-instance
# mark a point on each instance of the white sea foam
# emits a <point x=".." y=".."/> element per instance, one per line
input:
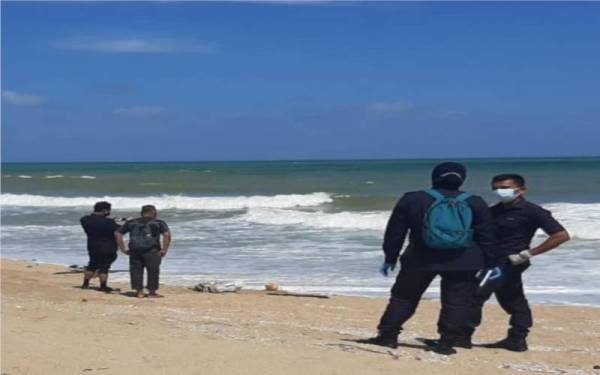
<point x="9" y="231"/>
<point x="88" y="177"/>
<point x="24" y="176"/>
<point x="54" y="176"/>
<point x="374" y="220"/>
<point x="561" y="290"/>
<point x="172" y="201"/>
<point x="581" y="220"/>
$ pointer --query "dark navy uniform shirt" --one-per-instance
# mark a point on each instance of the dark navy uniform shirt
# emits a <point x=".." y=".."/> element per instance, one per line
<point x="516" y="224"/>
<point x="100" y="234"/>
<point x="407" y="218"/>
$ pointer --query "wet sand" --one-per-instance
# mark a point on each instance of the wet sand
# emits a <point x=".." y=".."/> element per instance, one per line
<point x="50" y="326"/>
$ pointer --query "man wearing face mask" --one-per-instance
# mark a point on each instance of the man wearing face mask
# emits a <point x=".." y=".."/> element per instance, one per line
<point x="101" y="245"/>
<point x="516" y="220"/>
<point x="427" y="256"/>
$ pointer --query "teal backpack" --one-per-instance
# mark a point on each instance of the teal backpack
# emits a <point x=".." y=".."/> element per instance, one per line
<point x="447" y="223"/>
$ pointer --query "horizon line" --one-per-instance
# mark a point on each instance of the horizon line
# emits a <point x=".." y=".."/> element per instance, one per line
<point x="305" y="160"/>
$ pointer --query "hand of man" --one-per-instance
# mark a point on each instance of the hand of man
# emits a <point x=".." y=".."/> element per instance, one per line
<point x="386" y="268"/>
<point x="162" y="253"/>
<point x="125" y="251"/>
<point x="520" y="258"/>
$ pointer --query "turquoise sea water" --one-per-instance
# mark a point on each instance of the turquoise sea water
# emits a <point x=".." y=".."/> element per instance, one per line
<point x="307" y="225"/>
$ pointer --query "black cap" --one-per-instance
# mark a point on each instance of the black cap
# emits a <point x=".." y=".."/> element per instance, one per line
<point x="448" y="175"/>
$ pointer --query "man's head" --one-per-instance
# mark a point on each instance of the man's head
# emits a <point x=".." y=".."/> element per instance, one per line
<point x="508" y="186"/>
<point x="448" y="175"/>
<point x="149" y="212"/>
<point x="102" y="208"/>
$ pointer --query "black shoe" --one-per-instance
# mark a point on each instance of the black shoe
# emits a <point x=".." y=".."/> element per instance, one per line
<point x="85" y="286"/>
<point x="460" y="342"/>
<point x="387" y="341"/>
<point x="444" y="349"/>
<point x="106" y="289"/>
<point x="513" y="344"/>
<point x="445" y="345"/>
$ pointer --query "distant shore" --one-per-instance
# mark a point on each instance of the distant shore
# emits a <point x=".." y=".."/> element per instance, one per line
<point x="50" y="326"/>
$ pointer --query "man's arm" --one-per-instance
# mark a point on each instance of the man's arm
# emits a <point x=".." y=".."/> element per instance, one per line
<point x="395" y="232"/>
<point x="552" y="242"/>
<point x="120" y="242"/>
<point x="165" y="243"/>
<point x="556" y="232"/>
<point x="166" y="237"/>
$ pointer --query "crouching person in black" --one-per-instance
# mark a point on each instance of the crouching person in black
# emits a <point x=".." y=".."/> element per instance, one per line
<point x="469" y="248"/>
<point x="145" y="250"/>
<point x="101" y="245"/>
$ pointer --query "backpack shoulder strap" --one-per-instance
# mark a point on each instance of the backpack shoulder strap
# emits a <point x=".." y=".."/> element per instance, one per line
<point x="435" y="194"/>
<point x="463" y="197"/>
<point x="148" y="226"/>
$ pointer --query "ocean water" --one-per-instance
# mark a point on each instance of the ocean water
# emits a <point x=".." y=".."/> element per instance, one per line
<point x="312" y="226"/>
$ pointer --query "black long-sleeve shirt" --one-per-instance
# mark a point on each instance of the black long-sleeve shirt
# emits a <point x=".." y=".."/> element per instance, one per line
<point x="407" y="218"/>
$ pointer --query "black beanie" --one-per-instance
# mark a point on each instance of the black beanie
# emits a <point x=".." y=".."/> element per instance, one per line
<point x="448" y="175"/>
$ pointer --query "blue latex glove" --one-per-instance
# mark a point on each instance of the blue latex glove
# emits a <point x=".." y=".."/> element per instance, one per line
<point x="489" y="280"/>
<point x="386" y="268"/>
<point x="496" y="273"/>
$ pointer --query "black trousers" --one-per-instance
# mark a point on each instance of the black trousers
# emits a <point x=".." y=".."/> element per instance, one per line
<point x="457" y="289"/>
<point x="511" y="297"/>
<point x="100" y="261"/>
<point x="150" y="260"/>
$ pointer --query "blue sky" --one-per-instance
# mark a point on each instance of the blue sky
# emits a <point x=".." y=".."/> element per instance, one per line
<point x="290" y="80"/>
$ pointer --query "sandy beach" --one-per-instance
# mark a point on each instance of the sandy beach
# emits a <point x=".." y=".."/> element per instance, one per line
<point x="50" y="326"/>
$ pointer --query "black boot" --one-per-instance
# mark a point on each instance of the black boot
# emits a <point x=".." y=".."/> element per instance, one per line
<point x="382" y="339"/>
<point x="514" y="344"/>
<point x="460" y="342"/>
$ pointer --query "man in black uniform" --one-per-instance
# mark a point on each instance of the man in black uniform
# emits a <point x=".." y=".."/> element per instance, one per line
<point x="101" y="244"/>
<point x="145" y="250"/>
<point x="515" y="221"/>
<point x="420" y="264"/>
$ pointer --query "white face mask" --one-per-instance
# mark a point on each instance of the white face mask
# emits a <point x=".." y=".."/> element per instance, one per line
<point x="506" y="195"/>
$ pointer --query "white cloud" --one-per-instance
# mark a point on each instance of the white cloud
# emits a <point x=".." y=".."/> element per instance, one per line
<point x="391" y="107"/>
<point x="132" y="45"/>
<point x="139" y="111"/>
<point x="16" y="98"/>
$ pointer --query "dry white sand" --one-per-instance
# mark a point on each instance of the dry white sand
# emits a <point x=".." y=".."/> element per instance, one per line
<point x="49" y="326"/>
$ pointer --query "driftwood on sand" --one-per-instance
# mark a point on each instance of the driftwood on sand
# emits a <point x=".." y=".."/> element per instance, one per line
<point x="292" y="294"/>
<point x="80" y="269"/>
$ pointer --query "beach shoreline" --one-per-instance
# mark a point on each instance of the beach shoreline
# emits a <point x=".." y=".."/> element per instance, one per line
<point x="51" y="326"/>
<point x="252" y="288"/>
